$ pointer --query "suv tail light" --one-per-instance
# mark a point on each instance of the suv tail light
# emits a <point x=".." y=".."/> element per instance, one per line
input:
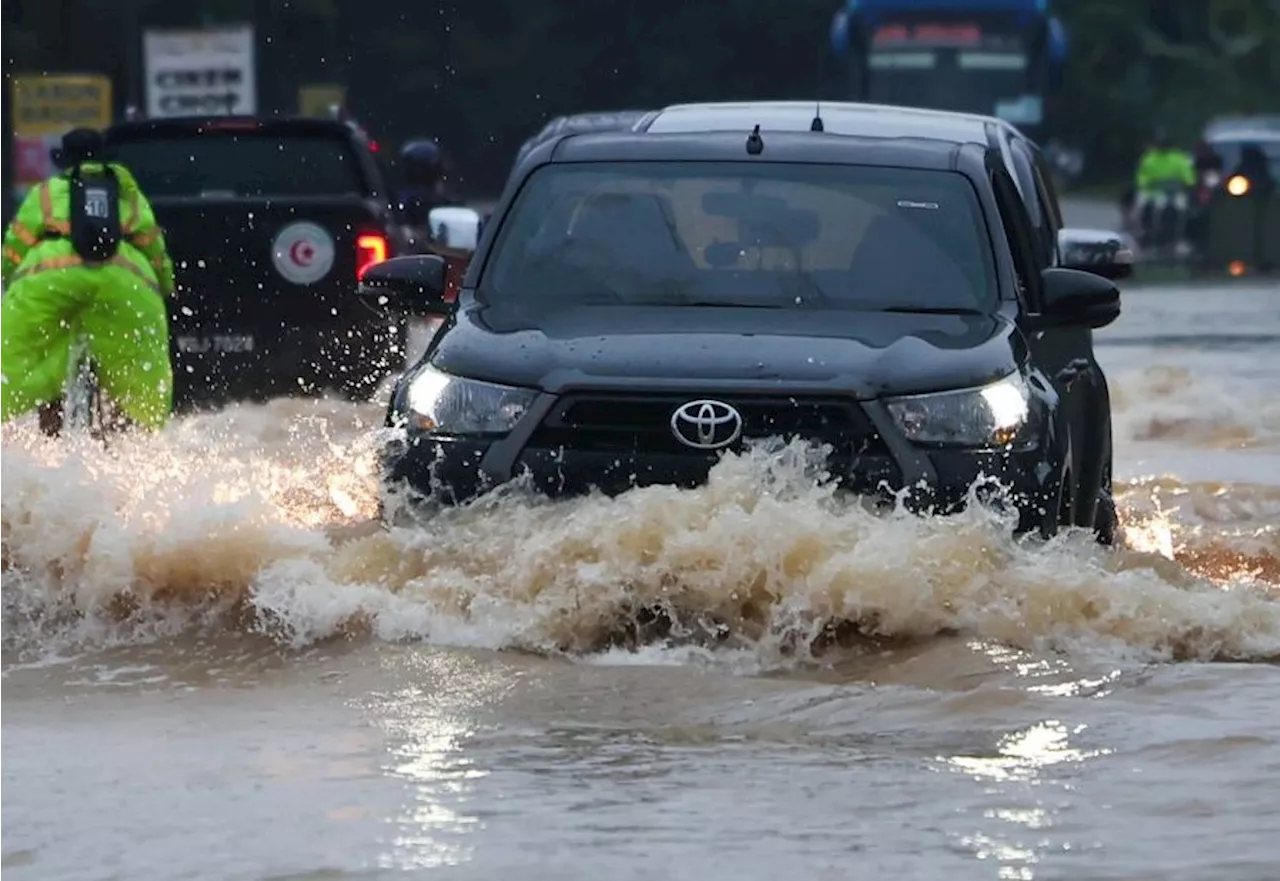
<point x="371" y="249"/>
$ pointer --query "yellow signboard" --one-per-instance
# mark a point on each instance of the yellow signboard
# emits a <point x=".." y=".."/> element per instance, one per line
<point x="319" y="99"/>
<point x="47" y="106"/>
<point x="52" y="104"/>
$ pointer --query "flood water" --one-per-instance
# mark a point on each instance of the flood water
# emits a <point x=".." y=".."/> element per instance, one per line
<point x="213" y="669"/>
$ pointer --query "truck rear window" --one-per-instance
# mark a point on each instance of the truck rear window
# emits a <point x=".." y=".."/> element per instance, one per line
<point x="242" y="164"/>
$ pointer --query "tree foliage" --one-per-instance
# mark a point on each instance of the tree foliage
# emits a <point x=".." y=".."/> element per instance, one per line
<point x="485" y="74"/>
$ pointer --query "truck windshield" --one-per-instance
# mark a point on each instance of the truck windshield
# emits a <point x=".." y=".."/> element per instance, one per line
<point x="993" y="83"/>
<point x="240" y="163"/>
<point x="735" y="234"/>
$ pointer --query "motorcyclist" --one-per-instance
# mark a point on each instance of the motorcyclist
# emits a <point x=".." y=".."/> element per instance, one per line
<point x="424" y="173"/>
<point x="85" y="249"/>
<point x="1207" y="165"/>
<point x="424" y="169"/>
<point x="1254" y="166"/>
<point x="1206" y="158"/>
<point x="1165" y="174"/>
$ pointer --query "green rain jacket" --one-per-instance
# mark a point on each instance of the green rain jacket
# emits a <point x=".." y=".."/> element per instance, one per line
<point x="47" y="209"/>
<point x="119" y="303"/>
<point x="1162" y="166"/>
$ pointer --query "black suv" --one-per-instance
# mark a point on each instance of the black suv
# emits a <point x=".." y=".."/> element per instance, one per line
<point x="644" y="300"/>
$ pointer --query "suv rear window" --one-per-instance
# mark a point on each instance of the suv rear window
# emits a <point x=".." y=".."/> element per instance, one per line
<point x="241" y="164"/>
<point x="743" y="234"/>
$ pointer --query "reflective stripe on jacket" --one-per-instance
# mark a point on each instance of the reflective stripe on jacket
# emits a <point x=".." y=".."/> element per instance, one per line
<point x="36" y="239"/>
<point x="66" y="262"/>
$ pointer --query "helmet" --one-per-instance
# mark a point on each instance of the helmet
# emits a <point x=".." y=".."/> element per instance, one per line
<point x="78" y="145"/>
<point x="421" y="154"/>
<point x="423" y="162"/>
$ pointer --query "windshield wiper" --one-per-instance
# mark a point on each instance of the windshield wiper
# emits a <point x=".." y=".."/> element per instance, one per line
<point x="930" y="310"/>
<point x="721" y="304"/>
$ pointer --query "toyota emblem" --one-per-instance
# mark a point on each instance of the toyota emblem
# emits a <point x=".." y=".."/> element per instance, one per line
<point x="706" y="425"/>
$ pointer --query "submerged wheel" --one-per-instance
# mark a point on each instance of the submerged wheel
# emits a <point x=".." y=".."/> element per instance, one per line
<point x="1106" y="522"/>
<point x="106" y="417"/>
<point x="82" y="409"/>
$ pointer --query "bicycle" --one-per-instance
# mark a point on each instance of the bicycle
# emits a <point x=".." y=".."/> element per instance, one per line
<point x="1162" y="218"/>
<point x="82" y="396"/>
<point x="82" y="409"/>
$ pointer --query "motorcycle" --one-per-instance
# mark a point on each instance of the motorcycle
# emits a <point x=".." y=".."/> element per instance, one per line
<point x="1208" y="181"/>
<point x="1162" y="218"/>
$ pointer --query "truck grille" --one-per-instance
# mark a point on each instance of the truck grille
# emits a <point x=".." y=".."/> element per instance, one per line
<point x="642" y="423"/>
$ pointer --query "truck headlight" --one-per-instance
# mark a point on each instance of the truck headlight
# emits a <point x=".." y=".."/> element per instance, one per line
<point x="996" y="415"/>
<point x="439" y="402"/>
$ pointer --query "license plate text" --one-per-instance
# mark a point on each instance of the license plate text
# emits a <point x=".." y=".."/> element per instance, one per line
<point x="215" y="343"/>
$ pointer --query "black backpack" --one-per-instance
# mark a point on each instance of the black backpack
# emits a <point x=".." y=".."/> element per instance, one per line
<point x="95" y="214"/>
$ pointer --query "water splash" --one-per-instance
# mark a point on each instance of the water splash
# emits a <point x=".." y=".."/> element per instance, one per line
<point x="259" y="519"/>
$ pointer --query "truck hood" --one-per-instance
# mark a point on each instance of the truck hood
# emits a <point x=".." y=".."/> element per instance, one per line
<point x="866" y="354"/>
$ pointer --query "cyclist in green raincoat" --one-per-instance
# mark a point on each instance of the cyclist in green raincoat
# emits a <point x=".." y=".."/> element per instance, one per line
<point x="85" y="249"/>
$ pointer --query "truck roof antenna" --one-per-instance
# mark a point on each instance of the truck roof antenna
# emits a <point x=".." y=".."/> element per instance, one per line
<point x="819" y="57"/>
<point x="755" y="143"/>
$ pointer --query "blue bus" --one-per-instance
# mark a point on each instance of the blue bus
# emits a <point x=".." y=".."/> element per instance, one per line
<point x="996" y="57"/>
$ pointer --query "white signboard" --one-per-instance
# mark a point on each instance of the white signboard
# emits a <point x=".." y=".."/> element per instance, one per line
<point x="204" y="72"/>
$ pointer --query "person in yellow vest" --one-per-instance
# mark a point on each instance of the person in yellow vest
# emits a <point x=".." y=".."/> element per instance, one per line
<point x="1166" y="175"/>
<point x="85" y="250"/>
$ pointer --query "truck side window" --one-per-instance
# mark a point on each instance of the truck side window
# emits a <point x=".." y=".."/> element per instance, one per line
<point x="1049" y="197"/>
<point x="1041" y="220"/>
<point x="1049" y="189"/>
<point x="1018" y="230"/>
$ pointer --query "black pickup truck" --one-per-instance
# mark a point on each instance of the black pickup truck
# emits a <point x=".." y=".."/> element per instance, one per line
<point x="270" y="223"/>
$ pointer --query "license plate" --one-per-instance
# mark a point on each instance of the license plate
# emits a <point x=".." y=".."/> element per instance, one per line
<point x="222" y="343"/>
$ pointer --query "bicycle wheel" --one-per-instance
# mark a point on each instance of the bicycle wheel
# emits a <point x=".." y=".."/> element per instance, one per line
<point x="81" y="396"/>
<point x="108" y="418"/>
<point x="84" y="408"/>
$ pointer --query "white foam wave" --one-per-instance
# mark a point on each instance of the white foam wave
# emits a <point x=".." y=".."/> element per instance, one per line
<point x="258" y="519"/>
